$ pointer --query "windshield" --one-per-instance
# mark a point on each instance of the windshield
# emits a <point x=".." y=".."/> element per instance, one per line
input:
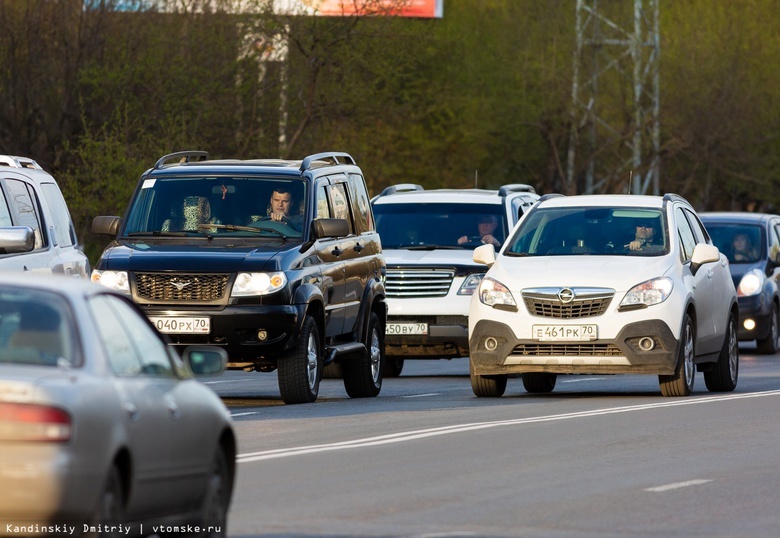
<point x="741" y="243"/>
<point x="218" y="206"/>
<point x="439" y="225"/>
<point x="601" y="231"/>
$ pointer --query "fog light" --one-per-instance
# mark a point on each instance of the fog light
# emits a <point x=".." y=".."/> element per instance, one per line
<point x="262" y="335"/>
<point x="491" y="343"/>
<point x="646" y="344"/>
<point x="749" y="324"/>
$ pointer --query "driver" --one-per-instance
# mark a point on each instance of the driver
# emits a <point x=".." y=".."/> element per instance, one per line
<point x="486" y="226"/>
<point x="279" y="207"/>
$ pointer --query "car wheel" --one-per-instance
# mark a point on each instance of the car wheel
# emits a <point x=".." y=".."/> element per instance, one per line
<point x="724" y="374"/>
<point x="332" y="371"/>
<point x="300" y="370"/>
<point x="110" y="510"/>
<point x="681" y="383"/>
<point x="392" y="367"/>
<point x="363" y="376"/>
<point x="216" y="499"/>
<point x="539" y="383"/>
<point x="769" y="345"/>
<point x="487" y="386"/>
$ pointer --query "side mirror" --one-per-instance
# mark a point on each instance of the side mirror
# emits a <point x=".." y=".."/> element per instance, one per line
<point x="704" y="253"/>
<point x="205" y="360"/>
<point x="15" y="239"/>
<point x="106" y="225"/>
<point x="323" y="228"/>
<point x="485" y="254"/>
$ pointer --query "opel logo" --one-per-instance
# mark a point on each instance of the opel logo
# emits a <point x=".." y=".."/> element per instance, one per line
<point x="565" y="295"/>
<point x="180" y="285"/>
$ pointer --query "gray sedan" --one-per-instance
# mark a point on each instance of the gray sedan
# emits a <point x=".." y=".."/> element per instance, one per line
<point x="103" y="427"/>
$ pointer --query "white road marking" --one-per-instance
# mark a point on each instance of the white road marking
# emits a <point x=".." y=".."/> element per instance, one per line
<point x="402" y="437"/>
<point x="677" y="485"/>
<point x="244" y="414"/>
<point x="422" y="395"/>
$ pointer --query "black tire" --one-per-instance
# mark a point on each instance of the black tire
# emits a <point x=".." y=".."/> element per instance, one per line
<point x="724" y="374"/>
<point x="363" y="376"/>
<point x="392" y="367"/>
<point x="487" y="386"/>
<point x="109" y="513"/>
<point x="332" y="371"/>
<point x="539" y="383"/>
<point x="769" y="345"/>
<point x="300" y="370"/>
<point x="681" y="383"/>
<point x="216" y="499"/>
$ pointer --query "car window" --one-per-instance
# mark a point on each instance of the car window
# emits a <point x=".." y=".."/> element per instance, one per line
<point x="436" y="225"/>
<point x="36" y="328"/>
<point x="5" y="213"/>
<point x="741" y="243"/>
<point x="63" y="226"/>
<point x="687" y="237"/>
<point x="362" y="211"/>
<point x="323" y="208"/>
<point x="25" y="206"/>
<point x="340" y="203"/>
<point x="132" y="347"/>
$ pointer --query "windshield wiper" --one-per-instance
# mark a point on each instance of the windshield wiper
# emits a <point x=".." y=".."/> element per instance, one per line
<point x="237" y="228"/>
<point x="158" y="233"/>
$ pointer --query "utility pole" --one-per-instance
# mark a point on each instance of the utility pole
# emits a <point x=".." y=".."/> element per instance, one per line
<point x="615" y="135"/>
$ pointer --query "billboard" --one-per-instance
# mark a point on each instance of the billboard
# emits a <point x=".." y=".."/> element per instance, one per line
<point x="340" y="8"/>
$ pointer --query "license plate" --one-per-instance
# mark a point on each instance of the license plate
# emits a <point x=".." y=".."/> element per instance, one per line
<point x="182" y="324"/>
<point x="565" y="333"/>
<point x="406" y="328"/>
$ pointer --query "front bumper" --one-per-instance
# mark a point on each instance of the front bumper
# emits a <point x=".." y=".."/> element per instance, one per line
<point x="494" y="349"/>
<point x="448" y="337"/>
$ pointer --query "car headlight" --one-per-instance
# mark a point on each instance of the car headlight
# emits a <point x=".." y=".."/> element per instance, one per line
<point x="248" y="284"/>
<point x="751" y="283"/>
<point x="648" y="293"/>
<point x="115" y="280"/>
<point x="470" y="284"/>
<point x="492" y="293"/>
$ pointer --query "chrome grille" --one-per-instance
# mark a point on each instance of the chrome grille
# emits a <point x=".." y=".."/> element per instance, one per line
<point x="418" y="282"/>
<point x="192" y="287"/>
<point x="545" y="302"/>
<point x="568" y="349"/>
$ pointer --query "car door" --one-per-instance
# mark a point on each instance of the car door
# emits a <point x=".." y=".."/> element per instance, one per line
<point x="332" y="268"/>
<point x="23" y="208"/>
<point x="73" y="262"/>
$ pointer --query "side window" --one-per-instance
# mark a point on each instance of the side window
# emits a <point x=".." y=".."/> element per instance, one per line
<point x="362" y="211"/>
<point x="687" y="239"/>
<point x="340" y="203"/>
<point x="63" y="227"/>
<point x="698" y="228"/>
<point x="774" y="241"/>
<point x="323" y="210"/>
<point x="5" y="213"/>
<point x="25" y="205"/>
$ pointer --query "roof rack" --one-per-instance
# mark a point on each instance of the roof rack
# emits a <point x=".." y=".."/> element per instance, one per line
<point x="19" y="162"/>
<point x="515" y="187"/>
<point x="550" y="195"/>
<point x="330" y="156"/>
<point x="182" y="157"/>
<point x="401" y="187"/>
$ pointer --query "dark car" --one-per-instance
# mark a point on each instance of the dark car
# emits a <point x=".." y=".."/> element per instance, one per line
<point x="278" y="262"/>
<point x="752" y="243"/>
<point x="101" y="422"/>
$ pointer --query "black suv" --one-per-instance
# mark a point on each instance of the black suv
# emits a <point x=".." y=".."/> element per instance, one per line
<point x="276" y="261"/>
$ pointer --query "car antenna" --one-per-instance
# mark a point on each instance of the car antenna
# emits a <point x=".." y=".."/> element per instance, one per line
<point x="476" y="176"/>
<point x="630" y="180"/>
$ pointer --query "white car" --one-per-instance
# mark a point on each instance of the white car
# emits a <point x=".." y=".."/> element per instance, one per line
<point x="584" y="287"/>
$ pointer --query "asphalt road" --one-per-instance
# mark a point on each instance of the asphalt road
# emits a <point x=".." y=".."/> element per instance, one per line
<point x="602" y="456"/>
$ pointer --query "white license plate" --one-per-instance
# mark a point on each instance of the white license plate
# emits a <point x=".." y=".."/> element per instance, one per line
<point x="565" y="333"/>
<point x="182" y="324"/>
<point x="406" y="328"/>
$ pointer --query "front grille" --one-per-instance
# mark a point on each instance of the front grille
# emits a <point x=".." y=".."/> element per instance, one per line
<point x="431" y="320"/>
<point x="418" y="283"/>
<point x="185" y="287"/>
<point x="567" y="349"/>
<point x="587" y="302"/>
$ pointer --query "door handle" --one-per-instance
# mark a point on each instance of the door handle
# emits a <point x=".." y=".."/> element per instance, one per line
<point x="359" y="247"/>
<point x="336" y="251"/>
<point x="172" y="407"/>
<point x="132" y="411"/>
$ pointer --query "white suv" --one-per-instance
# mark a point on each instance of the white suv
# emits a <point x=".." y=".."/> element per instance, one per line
<point x="428" y="237"/>
<point x="584" y="287"/>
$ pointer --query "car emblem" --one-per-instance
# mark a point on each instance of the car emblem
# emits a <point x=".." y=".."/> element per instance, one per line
<point x="565" y="295"/>
<point x="180" y="285"/>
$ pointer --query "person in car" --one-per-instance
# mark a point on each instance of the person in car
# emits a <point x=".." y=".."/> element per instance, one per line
<point x="742" y="248"/>
<point x="486" y="227"/>
<point x="279" y="208"/>
<point x="644" y="238"/>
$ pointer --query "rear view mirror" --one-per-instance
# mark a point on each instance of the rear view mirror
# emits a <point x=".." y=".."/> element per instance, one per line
<point x="106" y="225"/>
<point x="15" y="239"/>
<point x="205" y="360"/>
<point x="229" y="189"/>
<point x="322" y="228"/>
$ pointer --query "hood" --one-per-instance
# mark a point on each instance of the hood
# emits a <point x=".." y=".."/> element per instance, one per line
<point x="218" y="255"/>
<point x="459" y="259"/>
<point x="620" y="273"/>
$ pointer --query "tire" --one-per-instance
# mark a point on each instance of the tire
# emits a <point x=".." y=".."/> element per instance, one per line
<point x="487" y="386"/>
<point x="723" y="376"/>
<point x="363" y="376"/>
<point x="110" y="510"/>
<point x="769" y="345"/>
<point x="539" y="383"/>
<point x="332" y="371"/>
<point x="216" y="498"/>
<point x="300" y="370"/>
<point x="681" y="383"/>
<point x="392" y="367"/>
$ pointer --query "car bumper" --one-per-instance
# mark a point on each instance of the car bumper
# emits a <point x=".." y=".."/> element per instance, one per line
<point x="495" y="349"/>
<point x="758" y="310"/>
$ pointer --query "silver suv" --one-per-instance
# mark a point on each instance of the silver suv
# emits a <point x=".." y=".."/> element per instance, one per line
<point x="428" y="237"/>
<point x="36" y="230"/>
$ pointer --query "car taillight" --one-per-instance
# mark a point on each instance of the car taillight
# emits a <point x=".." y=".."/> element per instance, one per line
<point x="31" y="422"/>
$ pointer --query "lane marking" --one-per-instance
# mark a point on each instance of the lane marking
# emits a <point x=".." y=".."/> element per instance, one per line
<point x="677" y="485"/>
<point x="402" y="437"/>
<point x="245" y="414"/>
<point x="422" y="395"/>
